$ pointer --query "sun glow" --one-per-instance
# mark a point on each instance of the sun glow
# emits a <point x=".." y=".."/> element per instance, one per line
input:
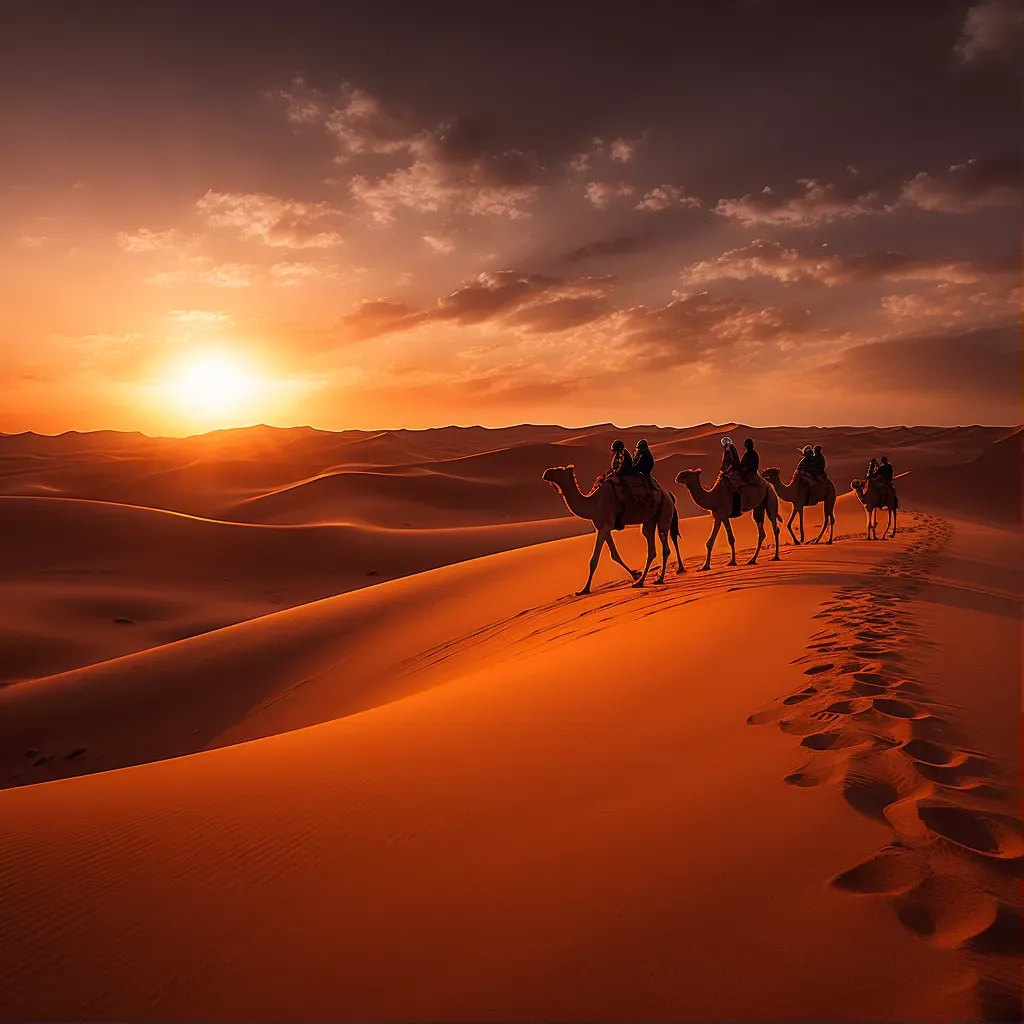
<point x="214" y="387"/>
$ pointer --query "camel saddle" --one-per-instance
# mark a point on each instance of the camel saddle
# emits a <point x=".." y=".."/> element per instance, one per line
<point x="816" y="487"/>
<point x="633" y="488"/>
<point x="747" y="494"/>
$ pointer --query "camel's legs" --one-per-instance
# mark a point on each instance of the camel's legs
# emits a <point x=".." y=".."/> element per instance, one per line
<point x="802" y="537"/>
<point x="711" y="543"/>
<point x="759" y="519"/>
<point x="679" y="558"/>
<point x="732" y="540"/>
<point x="648" y="531"/>
<point x="775" y="527"/>
<point x="664" y="555"/>
<point x="616" y="557"/>
<point x="830" y="515"/>
<point x="895" y="512"/>
<point x="789" y="525"/>
<point x="824" y="523"/>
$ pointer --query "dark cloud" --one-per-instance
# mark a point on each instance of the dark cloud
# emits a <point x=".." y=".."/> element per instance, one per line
<point x="620" y="246"/>
<point x="697" y="326"/>
<point x="992" y="32"/>
<point x="379" y="316"/>
<point x="762" y="258"/>
<point x="808" y="203"/>
<point x="974" y="185"/>
<point x="559" y="315"/>
<point x="982" y="361"/>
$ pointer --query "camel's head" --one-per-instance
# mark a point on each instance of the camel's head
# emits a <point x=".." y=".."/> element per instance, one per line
<point x="559" y="476"/>
<point x="688" y="476"/>
<point x="772" y="473"/>
<point x="857" y="486"/>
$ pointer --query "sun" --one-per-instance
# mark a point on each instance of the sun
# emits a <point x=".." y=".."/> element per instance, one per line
<point x="213" y="387"/>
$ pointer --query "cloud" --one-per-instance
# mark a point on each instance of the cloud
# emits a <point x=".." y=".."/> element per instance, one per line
<point x="228" y="275"/>
<point x="667" y="197"/>
<point x="356" y="119"/>
<point x="534" y="303"/>
<point x="290" y="273"/>
<point x="620" y="246"/>
<point x="992" y="31"/>
<point x="285" y="223"/>
<point x="812" y="202"/>
<point x="558" y="315"/>
<point x="763" y="258"/>
<point x="441" y="245"/>
<point x="378" y="317"/>
<point x="620" y="150"/>
<point x="964" y="188"/>
<point x="698" y="327"/>
<point x="624" y="150"/>
<point x="490" y="295"/>
<point x="145" y="240"/>
<point x="199" y="316"/>
<point x="456" y="165"/>
<point x="954" y="302"/>
<point x="449" y="172"/>
<point x="982" y="360"/>
<point x="601" y="193"/>
<point x="34" y="241"/>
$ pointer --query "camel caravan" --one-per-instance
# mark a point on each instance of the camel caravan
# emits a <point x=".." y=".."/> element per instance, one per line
<point x="627" y="494"/>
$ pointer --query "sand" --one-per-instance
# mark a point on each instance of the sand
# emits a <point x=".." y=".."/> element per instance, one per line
<point x="458" y="791"/>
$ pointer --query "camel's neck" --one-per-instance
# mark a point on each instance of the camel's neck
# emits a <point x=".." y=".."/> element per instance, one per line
<point x="862" y="494"/>
<point x="787" y="492"/>
<point x="578" y="504"/>
<point x="701" y="497"/>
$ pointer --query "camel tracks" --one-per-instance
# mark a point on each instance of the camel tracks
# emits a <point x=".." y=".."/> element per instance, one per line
<point x="952" y="872"/>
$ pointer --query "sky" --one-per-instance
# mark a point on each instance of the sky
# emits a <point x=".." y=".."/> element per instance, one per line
<point x="382" y="215"/>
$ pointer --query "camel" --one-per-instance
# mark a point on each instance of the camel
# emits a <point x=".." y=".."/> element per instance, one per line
<point x="718" y="501"/>
<point x="797" y="494"/>
<point x="600" y="507"/>
<point x="873" y="497"/>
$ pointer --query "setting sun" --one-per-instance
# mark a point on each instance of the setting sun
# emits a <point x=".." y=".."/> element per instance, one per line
<point x="213" y="386"/>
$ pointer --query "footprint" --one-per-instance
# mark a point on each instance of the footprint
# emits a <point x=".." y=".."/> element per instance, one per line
<point x="853" y="706"/>
<point x="933" y="753"/>
<point x="874" y="678"/>
<point x="1004" y="936"/>
<point x="946" y="910"/>
<point x="799" y="698"/>
<point x="984" y="832"/>
<point x="890" y="872"/>
<point x="816" y="669"/>
<point x="898" y="708"/>
<point x="831" y="740"/>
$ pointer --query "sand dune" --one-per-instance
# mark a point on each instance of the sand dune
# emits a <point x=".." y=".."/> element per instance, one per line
<point x="88" y="581"/>
<point x="786" y="791"/>
<point x="987" y="488"/>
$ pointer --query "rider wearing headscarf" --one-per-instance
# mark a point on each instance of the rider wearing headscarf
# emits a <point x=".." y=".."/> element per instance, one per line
<point x="622" y="461"/>
<point x="643" y="460"/>
<point x="730" y="457"/>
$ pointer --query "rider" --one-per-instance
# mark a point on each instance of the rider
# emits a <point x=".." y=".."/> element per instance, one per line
<point x="730" y="457"/>
<point x="885" y="470"/>
<point x="872" y="469"/>
<point x="749" y="462"/>
<point x="807" y="463"/>
<point x="819" y="460"/>
<point x="643" y="462"/>
<point x="622" y="461"/>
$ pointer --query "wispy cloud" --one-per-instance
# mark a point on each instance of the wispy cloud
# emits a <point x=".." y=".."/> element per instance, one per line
<point x="273" y="220"/>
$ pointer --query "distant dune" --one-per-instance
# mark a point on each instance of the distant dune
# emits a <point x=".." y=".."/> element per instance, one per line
<point x="308" y="725"/>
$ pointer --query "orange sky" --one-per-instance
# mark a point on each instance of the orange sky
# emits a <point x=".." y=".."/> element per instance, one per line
<point x="378" y="254"/>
